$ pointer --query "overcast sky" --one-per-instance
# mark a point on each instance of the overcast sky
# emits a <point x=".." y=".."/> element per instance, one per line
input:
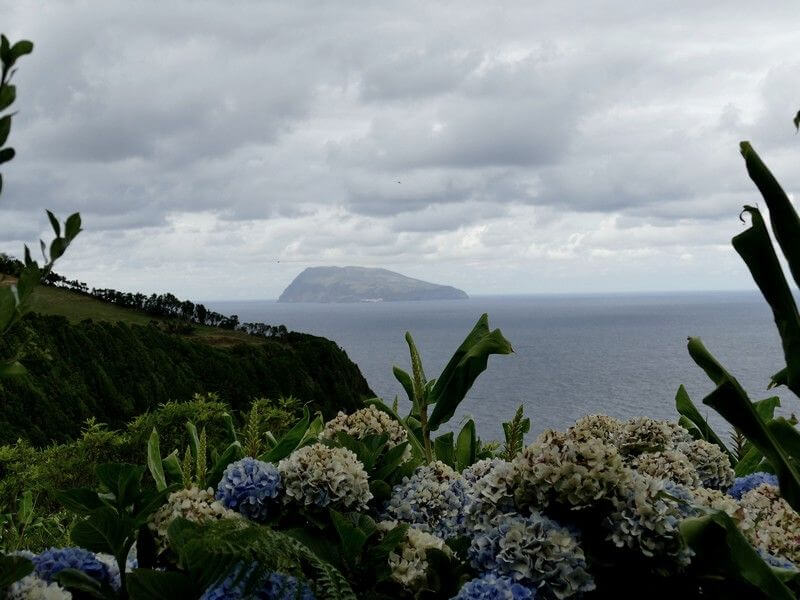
<point x="217" y="149"/>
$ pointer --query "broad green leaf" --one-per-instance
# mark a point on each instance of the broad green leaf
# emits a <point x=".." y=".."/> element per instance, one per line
<point x="687" y="409"/>
<point x="231" y="454"/>
<point x="750" y="462"/>
<point x="194" y="439"/>
<point x="5" y="128"/>
<point x="172" y="467"/>
<point x="755" y="248"/>
<point x="418" y="374"/>
<point x="731" y="401"/>
<point x="80" y="500"/>
<point x="11" y="369"/>
<point x="443" y="449"/>
<point x="466" y="446"/>
<point x="289" y="441"/>
<point x="13" y="568"/>
<point x="88" y="587"/>
<point x="54" y="223"/>
<point x="154" y="462"/>
<point x="351" y="537"/>
<point x="721" y="547"/>
<point x="405" y="380"/>
<point x="102" y="531"/>
<point x="8" y="93"/>
<point x="144" y="584"/>
<point x="21" y="48"/>
<point x="468" y="362"/>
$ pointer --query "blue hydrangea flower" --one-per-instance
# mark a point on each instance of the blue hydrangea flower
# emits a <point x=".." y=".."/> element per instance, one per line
<point x="435" y="499"/>
<point x="534" y="551"/>
<point x="742" y="485"/>
<point x="775" y="561"/>
<point x="54" y="560"/>
<point x="492" y="587"/>
<point x="250" y="487"/>
<point x="276" y="586"/>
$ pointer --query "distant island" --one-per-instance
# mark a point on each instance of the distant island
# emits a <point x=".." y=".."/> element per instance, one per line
<point x="363" y="284"/>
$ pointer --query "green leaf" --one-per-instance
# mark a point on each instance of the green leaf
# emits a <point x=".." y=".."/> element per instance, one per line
<point x="289" y="441"/>
<point x="231" y="454"/>
<point x="749" y="463"/>
<point x="11" y="368"/>
<point x="12" y="569"/>
<point x="54" y="223"/>
<point x="172" y="468"/>
<point x="154" y="462"/>
<point x="6" y="154"/>
<point x="468" y="362"/>
<point x="21" y="48"/>
<point x="80" y="500"/>
<point x="755" y="248"/>
<point x="796" y="121"/>
<point x="413" y="438"/>
<point x="72" y="227"/>
<point x="466" y="446"/>
<point x="405" y="380"/>
<point x="121" y="479"/>
<point x="144" y="584"/>
<point x="102" y="531"/>
<point x="78" y="581"/>
<point x="8" y="93"/>
<point x="722" y="549"/>
<point x="443" y="449"/>
<point x="351" y="537"/>
<point x="686" y="408"/>
<point x="194" y="438"/>
<point x="731" y="401"/>
<point x="5" y="128"/>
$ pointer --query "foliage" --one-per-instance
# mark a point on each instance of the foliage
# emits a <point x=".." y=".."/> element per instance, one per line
<point x="515" y="431"/>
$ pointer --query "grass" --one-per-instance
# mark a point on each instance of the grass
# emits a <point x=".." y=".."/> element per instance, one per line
<point x="78" y="307"/>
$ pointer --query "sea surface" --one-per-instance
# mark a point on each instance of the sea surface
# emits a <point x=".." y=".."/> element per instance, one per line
<point x="622" y="355"/>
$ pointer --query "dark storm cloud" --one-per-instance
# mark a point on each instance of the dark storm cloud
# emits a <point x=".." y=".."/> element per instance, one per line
<point x="550" y="138"/>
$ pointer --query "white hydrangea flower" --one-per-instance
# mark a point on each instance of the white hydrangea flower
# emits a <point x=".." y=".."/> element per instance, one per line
<point x="32" y="587"/>
<point x="647" y="516"/>
<point x="717" y="500"/>
<point x="558" y="468"/>
<point x="193" y="504"/>
<point x="434" y="499"/>
<point x="477" y="470"/>
<point x="323" y="476"/>
<point x="770" y="523"/>
<point x="364" y="422"/>
<point x="606" y="429"/>
<point x="669" y="464"/>
<point x="409" y="561"/>
<point x="492" y="495"/>
<point x="712" y="464"/>
<point x="644" y="434"/>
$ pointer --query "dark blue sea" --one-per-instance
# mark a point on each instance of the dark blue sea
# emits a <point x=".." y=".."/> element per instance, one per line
<point x="622" y="355"/>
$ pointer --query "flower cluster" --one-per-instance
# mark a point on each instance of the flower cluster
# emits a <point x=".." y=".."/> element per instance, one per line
<point x="192" y="504"/>
<point x="54" y="560"/>
<point x="322" y="476"/>
<point x="32" y="587"/>
<point x="434" y="499"/>
<point x="647" y="516"/>
<point x="535" y="552"/>
<point x="602" y="427"/>
<point x="275" y="586"/>
<point x="718" y="501"/>
<point x="364" y="422"/>
<point x="644" y="434"/>
<point x="409" y="561"/>
<point x="491" y="587"/>
<point x="575" y="473"/>
<point x="742" y="485"/>
<point x="250" y="487"/>
<point x="476" y="471"/>
<point x="712" y="464"/>
<point x="492" y="495"/>
<point x="668" y="464"/>
<point x="769" y="523"/>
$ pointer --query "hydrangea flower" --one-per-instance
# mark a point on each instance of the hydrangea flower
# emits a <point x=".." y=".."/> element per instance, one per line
<point x="712" y="464"/>
<point x="492" y="495"/>
<point x="491" y="587"/>
<point x="276" y="586"/>
<point x="602" y="427"/>
<point x="32" y="587"/>
<point x="770" y="523"/>
<point x="250" y="487"/>
<point x="534" y="551"/>
<point x="364" y="422"/>
<point x="668" y="464"/>
<point x="322" y="476"/>
<point x="559" y="469"/>
<point x="717" y="500"/>
<point x="644" y="434"/>
<point x="194" y="505"/>
<point x="646" y="519"/>
<point x="434" y="499"/>
<point x="742" y="485"/>
<point x="409" y="560"/>
<point x="477" y="470"/>
<point x="54" y="560"/>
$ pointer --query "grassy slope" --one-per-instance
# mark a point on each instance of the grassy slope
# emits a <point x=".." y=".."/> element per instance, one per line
<point x="77" y="307"/>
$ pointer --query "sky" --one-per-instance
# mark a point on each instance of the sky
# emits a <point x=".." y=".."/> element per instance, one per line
<point x="216" y="149"/>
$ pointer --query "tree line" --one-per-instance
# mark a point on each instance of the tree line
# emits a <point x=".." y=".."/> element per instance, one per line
<point x="166" y="306"/>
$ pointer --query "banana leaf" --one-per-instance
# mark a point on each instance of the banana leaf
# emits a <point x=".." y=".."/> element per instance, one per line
<point x="468" y="362"/>
<point x="687" y="409"/>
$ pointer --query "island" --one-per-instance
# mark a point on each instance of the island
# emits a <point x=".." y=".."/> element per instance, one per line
<point x="363" y="284"/>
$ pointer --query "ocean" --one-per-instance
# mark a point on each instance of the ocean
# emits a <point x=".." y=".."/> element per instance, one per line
<point x="622" y="355"/>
